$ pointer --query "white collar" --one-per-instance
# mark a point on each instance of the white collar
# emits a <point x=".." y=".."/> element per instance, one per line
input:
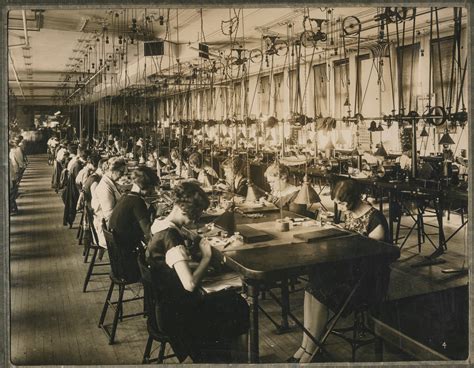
<point x="162" y="224"/>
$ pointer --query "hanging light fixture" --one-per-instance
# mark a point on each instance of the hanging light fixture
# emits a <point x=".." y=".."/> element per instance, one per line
<point x="446" y="139"/>
<point x="379" y="128"/>
<point x="307" y="195"/>
<point x="373" y="126"/>
<point x="424" y="132"/>
<point x="254" y="193"/>
<point x="347" y="103"/>
<point x="381" y="151"/>
<point x="241" y="135"/>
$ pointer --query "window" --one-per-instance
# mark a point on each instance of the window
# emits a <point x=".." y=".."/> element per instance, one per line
<point x="278" y="95"/>
<point x="441" y="89"/>
<point x="265" y="95"/>
<point x="341" y="76"/>
<point x="238" y="100"/>
<point x="407" y="60"/>
<point x="292" y="86"/>
<point x="320" y="90"/>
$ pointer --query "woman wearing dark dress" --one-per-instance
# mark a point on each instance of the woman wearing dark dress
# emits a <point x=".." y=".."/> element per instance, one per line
<point x="329" y="287"/>
<point x="194" y="323"/>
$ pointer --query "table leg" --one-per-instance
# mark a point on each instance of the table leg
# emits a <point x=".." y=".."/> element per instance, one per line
<point x="390" y="216"/>
<point x="285" y="306"/>
<point x="253" y="331"/>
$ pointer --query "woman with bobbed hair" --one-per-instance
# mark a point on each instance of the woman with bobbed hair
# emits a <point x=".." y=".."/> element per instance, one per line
<point x="106" y="194"/>
<point x="235" y="181"/>
<point x="194" y="323"/>
<point x="282" y="192"/>
<point x="130" y="219"/>
<point x="330" y="286"/>
<point x="205" y="174"/>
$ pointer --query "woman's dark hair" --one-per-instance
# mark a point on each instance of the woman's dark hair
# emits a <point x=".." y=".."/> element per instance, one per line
<point x="145" y="177"/>
<point x="191" y="198"/>
<point x="235" y="163"/>
<point x="195" y="159"/>
<point x="72" y="148"/>
<point x="116" y="164"/>
<point x="94" y="159"/>
<point x="103" y="164"/>
<point x="347" y="191"/>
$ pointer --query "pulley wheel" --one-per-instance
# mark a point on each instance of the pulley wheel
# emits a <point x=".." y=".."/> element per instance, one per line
<point x="436" y="116"/>
<point x="351" y="25"/>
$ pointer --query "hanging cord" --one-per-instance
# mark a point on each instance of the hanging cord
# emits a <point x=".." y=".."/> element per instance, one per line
<point x="257" y="83"/>
<point x="308" y="74"/>
<point x="357" y="86"/>
<point x="431" y="58"/>
<point x="453" y="52"/>
<point x="412" y="59"/>
<point x="346" y="70"/>
<point x="368" y="81"/>
<point x="390" y="66"/>
<point x="439" y="59"/>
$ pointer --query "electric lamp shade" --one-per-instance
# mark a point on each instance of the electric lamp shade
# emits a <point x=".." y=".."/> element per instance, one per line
<point x="380" y="128"/>
<point x="373" y="126"/>
<point x="307" y="195"/>
<point x="424" y="132"/>
<point x="381" y="151"/>
<point x="254" y="193"/>
<point x="446" y="139"/>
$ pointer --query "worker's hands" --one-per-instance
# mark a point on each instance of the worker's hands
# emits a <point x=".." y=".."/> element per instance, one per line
<point x="205" y="247"/>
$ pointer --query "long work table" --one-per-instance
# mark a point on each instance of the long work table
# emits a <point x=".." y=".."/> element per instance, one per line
<point x="283" y="255"/>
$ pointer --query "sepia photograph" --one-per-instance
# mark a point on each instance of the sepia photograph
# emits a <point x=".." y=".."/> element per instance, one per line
<point x="236" y="184"/>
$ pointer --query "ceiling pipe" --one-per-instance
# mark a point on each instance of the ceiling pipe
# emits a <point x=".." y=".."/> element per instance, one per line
<point x="25" y="28"/>
<point x="86" y="83"/>
<point x="16" y="75"/>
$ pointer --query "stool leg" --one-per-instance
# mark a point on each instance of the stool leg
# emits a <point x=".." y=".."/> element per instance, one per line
<point x="106" y="304"/>
<point x="88" y="249"/>
<point x="146" y="354"/>
<point x="89" y="270"/>
<point x="118" y="312"/>
<point x="161" y="354"/>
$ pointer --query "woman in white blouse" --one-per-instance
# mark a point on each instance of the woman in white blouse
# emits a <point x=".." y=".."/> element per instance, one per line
<point x="106" y="195"/>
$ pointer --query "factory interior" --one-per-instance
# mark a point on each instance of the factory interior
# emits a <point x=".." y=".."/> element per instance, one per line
<point x="258" y="184"/>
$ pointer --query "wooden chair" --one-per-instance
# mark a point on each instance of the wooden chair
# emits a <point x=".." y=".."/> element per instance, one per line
<point x="119" y="277"/>
<point x="154" y="333"/>
<point x="92" y="244"/>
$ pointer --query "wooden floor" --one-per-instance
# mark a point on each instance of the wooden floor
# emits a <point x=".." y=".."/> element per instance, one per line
<point x="54" y="323"/>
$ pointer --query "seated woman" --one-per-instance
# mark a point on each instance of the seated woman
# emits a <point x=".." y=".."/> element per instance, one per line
<point x="205" y="174"/>
<point x="235" y="181"/>
<point x="177" y="164"/>
<point x="329" y="287"/>
<point x="130" y="219"/>
<point x="194" y="323"/>
<point x="106" y="195"/>
<point x="282" y="192"/>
